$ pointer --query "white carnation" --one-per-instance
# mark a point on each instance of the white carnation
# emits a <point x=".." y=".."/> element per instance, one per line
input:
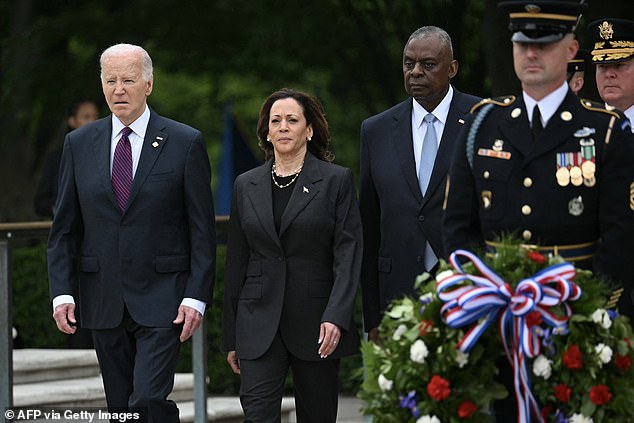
<point x="604" y="352"/>
<point x="444" y="274"/>
<point x="601" y="317"/>
<point x="418" y="351"/>
<point x="542" y="367"/>
<point x="384" y="383"/>
<point x="580" y="418"/>
<point x="462" y="358"/>
<point x="400" y="330"/>
<point x="428" y="419"/>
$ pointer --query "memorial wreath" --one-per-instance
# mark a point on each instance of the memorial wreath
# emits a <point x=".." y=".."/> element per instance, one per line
<point x="571" y="356"/>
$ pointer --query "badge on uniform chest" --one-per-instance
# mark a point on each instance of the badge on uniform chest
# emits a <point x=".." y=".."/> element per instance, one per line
<point x="496" y="151"/>
<point x="578" y="167"/>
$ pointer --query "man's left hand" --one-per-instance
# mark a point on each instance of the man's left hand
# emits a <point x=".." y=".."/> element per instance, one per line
<point x="190" y="319"/>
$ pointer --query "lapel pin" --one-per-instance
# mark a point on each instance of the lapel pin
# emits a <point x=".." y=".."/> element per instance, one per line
<point x="155" y="144"/>
<point x="305" y="189"/>
<point x="461" y="121"/>
<point x="159" y="138"/>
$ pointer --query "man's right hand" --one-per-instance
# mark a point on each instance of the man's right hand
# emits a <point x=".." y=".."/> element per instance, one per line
<point x="373" y="336"/>
<point x="64" y="316"/>
<point x="234" y="362"/>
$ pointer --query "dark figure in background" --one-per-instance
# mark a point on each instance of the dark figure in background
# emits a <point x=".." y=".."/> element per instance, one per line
<point x="548" y="166"/>
<point x="614" y="63"/>
<point x="134" y="223"/>
<point x="576" y="73"/>
<point x="293" y="264"/>
<point x="403" y="177"/>
<point x="80" y="113"/>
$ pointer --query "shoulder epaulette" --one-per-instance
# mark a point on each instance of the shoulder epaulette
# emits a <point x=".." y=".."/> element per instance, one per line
<point x="498" y="101"/>
<point x="598" y="107"/>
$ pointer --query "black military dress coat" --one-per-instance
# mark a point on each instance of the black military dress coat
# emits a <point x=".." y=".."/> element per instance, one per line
<point x="543" y="190"/>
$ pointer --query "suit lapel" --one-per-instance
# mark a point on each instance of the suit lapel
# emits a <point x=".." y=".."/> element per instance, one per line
<point x="402" y="141"/>
<point x="101" y="146"/>
<point x="155" y="139"/>
<point x="260" y="195"/>
<point x="515" y="130"/>
<point x="303" y="191"/>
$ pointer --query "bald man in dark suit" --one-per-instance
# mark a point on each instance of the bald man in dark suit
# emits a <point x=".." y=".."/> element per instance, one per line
<point x="402" y="181"/>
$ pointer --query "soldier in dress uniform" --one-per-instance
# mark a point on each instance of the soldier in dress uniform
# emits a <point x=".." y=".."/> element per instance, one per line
<point x="613" y="55"/>
<point x="576" y="75"/>
<point x="554" y="169"/>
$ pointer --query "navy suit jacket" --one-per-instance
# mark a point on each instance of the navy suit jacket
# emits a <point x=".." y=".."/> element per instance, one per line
<point x="397" y="219"/>
<point x="293" y="281"/>
<point x="160" y="250"/>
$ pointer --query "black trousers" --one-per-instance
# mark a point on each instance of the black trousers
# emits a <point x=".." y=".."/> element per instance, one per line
<point x="137" y="367"/>
<point x="315" y="385"/>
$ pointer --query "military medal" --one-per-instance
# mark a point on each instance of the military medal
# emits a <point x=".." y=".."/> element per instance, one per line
<point x="588" y="166"/>
<point x="590" y="182"/>
<point x="562" y="175"/>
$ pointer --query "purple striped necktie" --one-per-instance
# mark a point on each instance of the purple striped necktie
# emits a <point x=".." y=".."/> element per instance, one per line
<point x="122" y="169"/>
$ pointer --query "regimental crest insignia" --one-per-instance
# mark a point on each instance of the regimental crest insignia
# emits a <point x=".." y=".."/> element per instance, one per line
<point x="606" y="31"/>
<point x="532" y="8"/>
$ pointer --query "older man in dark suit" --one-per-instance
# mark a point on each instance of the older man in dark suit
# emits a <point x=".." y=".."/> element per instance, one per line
<point x="134" y="224"/>
<point x="405" y="154"/>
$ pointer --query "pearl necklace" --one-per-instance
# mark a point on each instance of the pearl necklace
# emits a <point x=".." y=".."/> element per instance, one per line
<point x="277" y="184"/>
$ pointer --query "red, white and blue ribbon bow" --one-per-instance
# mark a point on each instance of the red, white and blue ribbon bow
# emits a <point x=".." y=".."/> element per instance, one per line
<point x="482" y="298"/>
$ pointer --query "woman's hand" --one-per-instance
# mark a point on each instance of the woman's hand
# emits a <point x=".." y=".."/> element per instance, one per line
<point x="329" y="336"/>
<point x="233" y="361"/>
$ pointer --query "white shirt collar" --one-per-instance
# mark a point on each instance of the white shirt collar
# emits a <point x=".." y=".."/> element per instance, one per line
<point x="547" y="105"/>
<point x="139" y="126"/>
<point x="440" y="112"/>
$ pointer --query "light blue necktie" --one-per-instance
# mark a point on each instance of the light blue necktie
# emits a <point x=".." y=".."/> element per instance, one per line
<point x="427" y="158"/>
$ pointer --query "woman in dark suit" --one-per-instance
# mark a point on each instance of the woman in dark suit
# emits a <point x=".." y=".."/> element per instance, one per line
<point x="293" y="265"/>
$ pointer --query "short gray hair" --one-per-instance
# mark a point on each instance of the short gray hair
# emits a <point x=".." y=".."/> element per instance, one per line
<point x="117" y="49"/>
<point x="426" y="31"/>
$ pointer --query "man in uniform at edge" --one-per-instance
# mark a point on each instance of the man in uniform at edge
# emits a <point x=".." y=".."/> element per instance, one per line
<point x="554" y="169"/>
<point x="613" y="52"/>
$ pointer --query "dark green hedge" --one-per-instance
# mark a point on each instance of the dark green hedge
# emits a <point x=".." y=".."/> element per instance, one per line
<point x="32" y="315"/>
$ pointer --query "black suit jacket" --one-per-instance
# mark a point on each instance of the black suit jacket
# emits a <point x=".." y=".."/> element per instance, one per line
<point x="297" y="279"/>
<point x="397" y="219"/>
<point x="159" y="251"/>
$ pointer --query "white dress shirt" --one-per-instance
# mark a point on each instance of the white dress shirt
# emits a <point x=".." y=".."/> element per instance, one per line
<point x="419" y="128"/>
<point x="547" y="105"/>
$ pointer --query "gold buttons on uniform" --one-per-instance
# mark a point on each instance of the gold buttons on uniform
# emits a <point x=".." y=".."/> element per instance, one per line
<point x="526" y="210"/>
<point x="486" y="174"/>
<point x="527" y="235"/>
<point x="528" y="182"/>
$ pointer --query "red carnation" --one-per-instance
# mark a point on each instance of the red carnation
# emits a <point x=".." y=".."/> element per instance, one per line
<point x="533" y="318"/>
<point x="623" y="362"/>
<point x="572" y="357"/>
<point x="424" y="327"/>
<point x="600" y="394"/>
<point x="438" y="388"/>
<point x="536" y="257"/>
<point x="466" y="409"/>
<point x="546" y="410"/>
<point x="563" y="392"/>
